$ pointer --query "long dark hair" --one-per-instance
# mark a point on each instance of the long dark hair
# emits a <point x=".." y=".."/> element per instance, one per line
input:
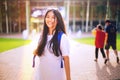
<point x="54" y="41"/>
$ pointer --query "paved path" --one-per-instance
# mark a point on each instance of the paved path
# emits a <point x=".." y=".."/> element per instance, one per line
<point x="16" y="64"/>
<point x="84" y="68"/>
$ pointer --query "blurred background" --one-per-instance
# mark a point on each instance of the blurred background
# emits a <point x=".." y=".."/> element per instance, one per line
<point x="17" y="16"/>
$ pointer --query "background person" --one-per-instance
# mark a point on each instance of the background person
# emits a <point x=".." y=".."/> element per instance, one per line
<point x="99" y="42"/>
<point x="111" y="39"/>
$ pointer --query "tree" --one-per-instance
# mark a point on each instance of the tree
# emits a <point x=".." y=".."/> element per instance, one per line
<point x="13" y="15"/>
<point x="82" y="11"/>
<point x="100" y="10"/>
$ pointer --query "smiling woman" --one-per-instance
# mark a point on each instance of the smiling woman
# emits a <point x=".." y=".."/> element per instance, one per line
<point x="52" y="53"/>
<point x="10" y="43"/>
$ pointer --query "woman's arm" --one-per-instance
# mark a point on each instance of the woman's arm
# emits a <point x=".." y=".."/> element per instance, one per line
<point x="67" y="67"/>
<point x="106" y="38"/>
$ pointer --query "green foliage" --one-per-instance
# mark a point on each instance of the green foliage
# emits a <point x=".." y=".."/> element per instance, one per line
<point x="90" y="41"/>
<point x="10" y="43"/>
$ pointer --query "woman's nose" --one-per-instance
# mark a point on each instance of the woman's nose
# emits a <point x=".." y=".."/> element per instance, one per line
<point x="49" y="19"/>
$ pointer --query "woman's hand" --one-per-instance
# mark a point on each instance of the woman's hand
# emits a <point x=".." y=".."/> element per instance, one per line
<point x="35" y="52"/>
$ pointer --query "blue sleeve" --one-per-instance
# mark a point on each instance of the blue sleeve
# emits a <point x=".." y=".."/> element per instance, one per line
<point x="107" y="29"/>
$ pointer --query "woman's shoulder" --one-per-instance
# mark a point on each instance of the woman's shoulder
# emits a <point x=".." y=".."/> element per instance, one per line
<point x="64" y="35"/>
<point x="65" y="38"/>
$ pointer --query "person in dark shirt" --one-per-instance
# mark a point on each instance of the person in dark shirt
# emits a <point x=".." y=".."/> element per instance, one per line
<point x="111" y="39"/>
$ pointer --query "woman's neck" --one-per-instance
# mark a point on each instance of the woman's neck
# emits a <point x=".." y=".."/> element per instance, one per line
<point x="51" y="31"/>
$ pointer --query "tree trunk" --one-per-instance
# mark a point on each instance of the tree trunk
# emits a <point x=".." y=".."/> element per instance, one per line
<point x="19" y="24"/>
<point x="87" y="15"/>
<point x="82" y="13"/>
<point x="0" y="21"/>
<point x="74" y="16"/>
<point x="108" y="14"/>
<point x="10" y="25"/>
<point x="6" y="7"/>
<point x="19" y="18"/>
<point x="67" y="10"/>
<point x="99" y="18"/>
<point x="91" y="20"/>
<point x="27" y="15"/>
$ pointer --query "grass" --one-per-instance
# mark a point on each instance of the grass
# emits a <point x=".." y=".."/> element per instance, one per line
<point x="90" y="41"/>
<point x="10" y="43"/>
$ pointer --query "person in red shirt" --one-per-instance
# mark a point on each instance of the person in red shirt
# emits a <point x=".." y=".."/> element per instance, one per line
<point x="99" y="42"/>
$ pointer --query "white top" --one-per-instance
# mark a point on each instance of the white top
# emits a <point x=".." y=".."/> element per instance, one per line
<point x="50" y="65"/>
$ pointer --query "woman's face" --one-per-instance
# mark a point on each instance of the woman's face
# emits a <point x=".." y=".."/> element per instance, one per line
<point x="51" y="20"/>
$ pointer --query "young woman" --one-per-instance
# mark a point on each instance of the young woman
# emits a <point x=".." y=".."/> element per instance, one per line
<point x="99" y="42"/>
<point x="48" y="49"/>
